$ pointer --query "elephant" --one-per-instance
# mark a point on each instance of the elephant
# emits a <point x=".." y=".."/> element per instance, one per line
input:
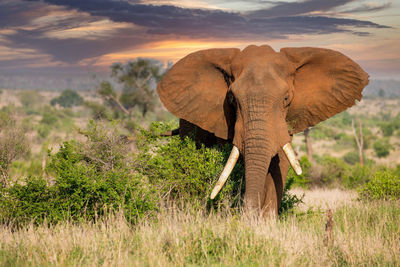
<point x="256" y="99"/>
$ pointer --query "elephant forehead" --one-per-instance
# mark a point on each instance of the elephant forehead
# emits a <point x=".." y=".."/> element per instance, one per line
<point x="263" y="63"/>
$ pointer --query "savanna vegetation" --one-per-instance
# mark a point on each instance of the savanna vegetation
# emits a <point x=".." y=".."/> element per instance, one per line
<point x="86" y="179"/>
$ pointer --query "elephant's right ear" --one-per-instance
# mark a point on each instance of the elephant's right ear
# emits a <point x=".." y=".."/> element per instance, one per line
<point x="326" y="82"/>
<point x="195" y="89"/>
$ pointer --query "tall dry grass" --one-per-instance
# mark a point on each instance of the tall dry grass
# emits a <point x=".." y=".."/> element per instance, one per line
<point x="364" y="234"/>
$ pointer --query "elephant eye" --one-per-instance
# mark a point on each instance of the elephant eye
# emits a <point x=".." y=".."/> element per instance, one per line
<point x="286" y="101"/>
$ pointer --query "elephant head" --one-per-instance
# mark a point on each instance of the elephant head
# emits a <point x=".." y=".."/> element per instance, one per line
<point x="258" y="98"/>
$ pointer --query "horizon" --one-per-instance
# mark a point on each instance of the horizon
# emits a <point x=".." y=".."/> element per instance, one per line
<point x="71" y="37"/>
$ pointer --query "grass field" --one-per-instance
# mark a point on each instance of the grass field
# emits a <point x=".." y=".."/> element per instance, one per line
<point x="365" y="234"/>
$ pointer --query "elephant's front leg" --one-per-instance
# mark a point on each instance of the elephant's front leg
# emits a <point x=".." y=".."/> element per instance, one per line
<point x="275" y="182"/>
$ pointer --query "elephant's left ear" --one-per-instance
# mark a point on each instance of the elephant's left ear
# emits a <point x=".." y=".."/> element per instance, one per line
<point x="326" y="82"/>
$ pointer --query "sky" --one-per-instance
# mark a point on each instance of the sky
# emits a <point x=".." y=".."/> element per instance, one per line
<point x="75" y="35"/>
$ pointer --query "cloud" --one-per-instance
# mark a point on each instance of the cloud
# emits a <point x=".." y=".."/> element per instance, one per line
<point x="368" y="7"/>
<point x="282" y="9"/>
<point x="274" y="22"/>
<point x="76" y="31"/>
<point x="75" y="49"/>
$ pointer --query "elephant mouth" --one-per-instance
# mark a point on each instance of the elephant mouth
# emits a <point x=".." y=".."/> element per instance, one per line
<point x="233" y="157"/>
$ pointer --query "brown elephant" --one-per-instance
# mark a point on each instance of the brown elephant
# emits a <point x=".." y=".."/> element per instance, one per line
<point x="257" y="99"/>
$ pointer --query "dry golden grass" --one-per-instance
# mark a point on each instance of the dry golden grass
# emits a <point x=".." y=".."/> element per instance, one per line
<point x="364" y="234"/>
<point x="323" y="198"/>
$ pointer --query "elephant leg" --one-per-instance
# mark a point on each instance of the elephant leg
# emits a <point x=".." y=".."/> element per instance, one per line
<point x="275" y="182"/>
<point x="270" y="206"/>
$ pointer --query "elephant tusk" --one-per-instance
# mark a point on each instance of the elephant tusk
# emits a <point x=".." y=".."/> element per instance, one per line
<point x="292" y="158"/>
<point x="233" y="157"/>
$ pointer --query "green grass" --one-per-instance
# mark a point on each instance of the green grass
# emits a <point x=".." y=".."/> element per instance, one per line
<point x="365" y="233"/>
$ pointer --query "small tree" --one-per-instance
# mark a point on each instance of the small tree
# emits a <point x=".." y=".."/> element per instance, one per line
<point x="67" y="99"/>
<point x="387" y="128"/>
<point x="382" y="148"/>
<point x="30" y="99"/>
<point x="138" y="80"/>
<point x="110" y="95"/>
<point x="13" y="144"/>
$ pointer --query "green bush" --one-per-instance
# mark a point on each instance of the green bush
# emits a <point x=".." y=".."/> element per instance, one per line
<point x="89" y="179"/>
<point x="31" y="202"/>
<point x="43" y="130"/>
<point x="68" y="98"/>
<point x="289" y="201"/>
<point x="181" y="171"/>
<point x="30" y="99"/>
<point x="382" y="148"/>
<point x="332" y="173"/>
<point x="99" y="111"/>
<point x="384" y="184"/>
<point x="49" y="118"/>
<point x="357" y="176"/>
<point x="387" y="128"/>
<point x="351" y="157"/>
<point x="304" y="179"/>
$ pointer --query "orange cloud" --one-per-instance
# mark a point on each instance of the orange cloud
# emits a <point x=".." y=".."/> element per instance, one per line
<point x="164" y="51"/>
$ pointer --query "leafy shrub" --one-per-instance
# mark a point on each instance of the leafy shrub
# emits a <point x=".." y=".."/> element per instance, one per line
<point x="181" y="171"/>
<point x="387" y="128"/>
<point x="289" y="201"/>
<point x="33" y="201"/>
<point x="43" y="130"/>
<point x="304" y="179"/>
<point x="99" y="111"/>
<point x="357" y="176"/>
<point x="89" y="179"/>
<point x="49" y="118"/>
<point x="332" y="171"/>
<point x="384" y="184"/>
<point x="30" y="99"/>
<point x="382" y="148"/>
<point x="68" y="98"/>
<point x="13" y="144"/>
<point x="351" y="157"/>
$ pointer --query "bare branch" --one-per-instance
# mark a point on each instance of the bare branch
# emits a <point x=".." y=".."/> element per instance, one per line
<point x="119" y="105"/>
<point x="359" y="140"/>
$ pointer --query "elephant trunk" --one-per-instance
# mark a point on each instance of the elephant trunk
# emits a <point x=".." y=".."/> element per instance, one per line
<point x="258" y="156"/>
<point x="264" y="135"/>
